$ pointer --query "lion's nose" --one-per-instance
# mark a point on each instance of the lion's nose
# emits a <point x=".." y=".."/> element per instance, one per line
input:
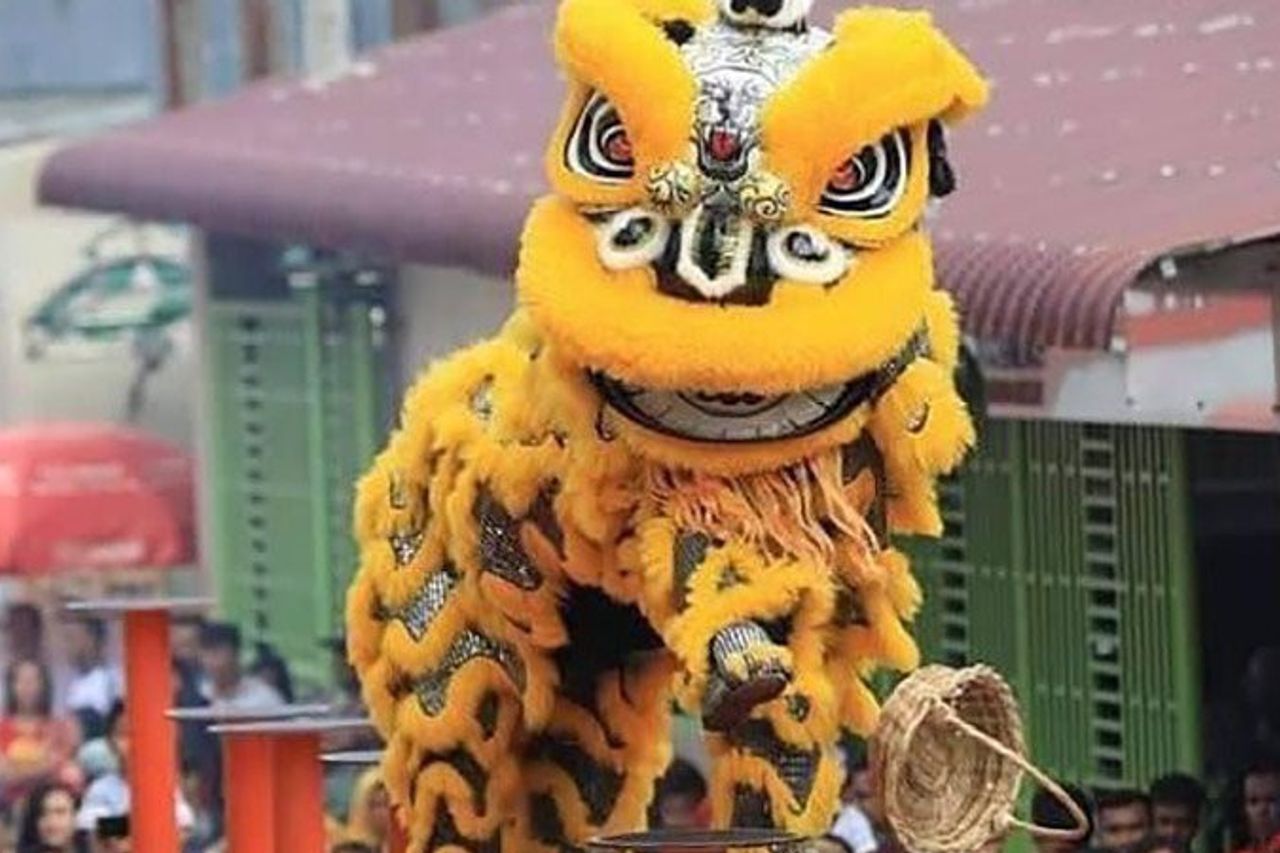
<point x="715" y="247"/>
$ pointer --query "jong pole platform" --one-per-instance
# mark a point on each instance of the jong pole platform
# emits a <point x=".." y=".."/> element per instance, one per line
<point x="247" y="771"/>
<point x="153" y="762"/>
<point x="289" y="751"/>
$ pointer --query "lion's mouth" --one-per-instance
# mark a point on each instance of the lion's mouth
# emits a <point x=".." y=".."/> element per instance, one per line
<point x="735" y="417"/>
<point x="740" y="417"/>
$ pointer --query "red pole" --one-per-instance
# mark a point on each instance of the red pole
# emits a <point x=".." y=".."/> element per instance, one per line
<point x="249" y="790"/>
<point x="299" y="804"/>
<point x="153" y="755"/>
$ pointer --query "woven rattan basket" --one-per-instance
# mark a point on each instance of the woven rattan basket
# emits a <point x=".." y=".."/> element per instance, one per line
<point x="948" y="757"/>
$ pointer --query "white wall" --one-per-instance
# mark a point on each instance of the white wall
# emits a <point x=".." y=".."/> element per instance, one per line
<point x="440" y="309"/>
<point x="40" y="250"/>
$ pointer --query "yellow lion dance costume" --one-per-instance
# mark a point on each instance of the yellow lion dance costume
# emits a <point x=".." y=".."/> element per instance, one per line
<point x="676" y="471"/>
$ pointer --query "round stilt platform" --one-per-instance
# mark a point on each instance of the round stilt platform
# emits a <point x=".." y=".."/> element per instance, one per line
<point x="702" y="841"/>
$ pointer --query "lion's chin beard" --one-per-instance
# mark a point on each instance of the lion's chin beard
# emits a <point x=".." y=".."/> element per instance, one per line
<point x="801" y="511"/>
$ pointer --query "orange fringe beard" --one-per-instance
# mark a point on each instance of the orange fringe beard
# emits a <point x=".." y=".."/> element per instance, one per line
<point x="801" y="511"/>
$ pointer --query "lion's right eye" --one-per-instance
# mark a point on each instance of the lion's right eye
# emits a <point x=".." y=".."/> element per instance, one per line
<point x="599" y="147"/>
<point x="870" y="184"/>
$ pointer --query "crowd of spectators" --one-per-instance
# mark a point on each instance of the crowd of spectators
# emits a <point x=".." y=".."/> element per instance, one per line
<point x="64" y="736"/>
<point x="64" y="757"/>
<point x="1169" y="817"/>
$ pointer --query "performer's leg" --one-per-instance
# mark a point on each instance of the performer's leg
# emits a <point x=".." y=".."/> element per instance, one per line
<point x="725" y="610"/>
<point x="778" y="768"/>
<point x="449" y="691"/>
<point x="460" y="779"/>
<point x="591" y="771"/>
<point x="869" y="633"/>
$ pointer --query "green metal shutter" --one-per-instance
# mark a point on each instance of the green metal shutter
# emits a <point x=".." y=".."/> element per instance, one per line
<point x="1066" y="564"/>
<point x="296" y="402"/>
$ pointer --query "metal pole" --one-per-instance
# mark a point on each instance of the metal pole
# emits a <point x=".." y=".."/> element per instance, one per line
<point x="312" y="303"/>
<point x="326" y="37"/>
<point x="413" y="16"/>
<point x="365" y="381"/>
<point x="171" y="53"/>
<point x="257" y="30"/>
<point x="1275" y="345"/>
<point x="1184" y="623"/>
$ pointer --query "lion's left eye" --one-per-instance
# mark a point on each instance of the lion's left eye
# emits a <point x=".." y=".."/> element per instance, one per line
<point x="599" y="147"/>
<point x="870" y="184"/>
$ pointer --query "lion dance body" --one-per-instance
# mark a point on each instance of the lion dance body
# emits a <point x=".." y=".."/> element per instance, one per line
<point x="677" y="470"/>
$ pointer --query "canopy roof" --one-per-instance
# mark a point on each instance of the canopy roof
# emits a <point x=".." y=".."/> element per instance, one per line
<point x="1119" y="132"/>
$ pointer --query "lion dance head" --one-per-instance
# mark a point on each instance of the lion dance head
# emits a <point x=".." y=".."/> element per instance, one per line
<point x="734" y="250"/>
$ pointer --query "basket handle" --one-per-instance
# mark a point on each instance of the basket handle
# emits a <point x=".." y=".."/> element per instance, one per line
<point x="1080" y="830"/>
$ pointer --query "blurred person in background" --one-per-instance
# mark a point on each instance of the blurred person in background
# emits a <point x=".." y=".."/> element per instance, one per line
<point x="680" y="798"/>
<point x="369" y="818"/>
<point x="94" y="686"/>
<point x="1259" y="831"/>
<point x="1240" y="729"/>
<point x="35" y="745"/>
<point x="200" y="756"/>
<point x="1123" y="821"/>
<point x="223" y="681"/>
<point x="852" y="830"/>
<point x="49" y="821"/>
<point x="1048" y="811"/>
<point x="344" y="697"/>
<point x="184" y="640"/>
<point x="859" y="790"/>
<point x="23" y="637"/>
<point x="23" y="632"/>
<point x="1157" y="845"/>
<point x="206" y="823"/>
<point x="273" y="670"/>
<point x="344" y="700"/>
<point x="1262" y="690"/>
<point x="108" y="795"/>
<point x="1177" y="806"/>
<point x="194" y="736"/>
<point x="224" y="685"/>
<point x="96" y="758"/>
<point x="112" y="835"/>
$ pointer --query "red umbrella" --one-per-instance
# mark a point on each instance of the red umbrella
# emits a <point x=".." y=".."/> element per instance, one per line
<point x="92" y="496"/>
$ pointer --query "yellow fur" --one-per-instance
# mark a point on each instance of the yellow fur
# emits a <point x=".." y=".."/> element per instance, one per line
<point x="693" y="11"/>
<point x="611" y="47"/>
<point x="886" y="69"/>
<point x="507" y="460"/>
<point x="620" y="323"/>
<point x="944" y="330"/>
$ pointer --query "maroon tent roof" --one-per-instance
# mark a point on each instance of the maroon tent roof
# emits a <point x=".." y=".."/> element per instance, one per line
<point x="1119" y="132"/>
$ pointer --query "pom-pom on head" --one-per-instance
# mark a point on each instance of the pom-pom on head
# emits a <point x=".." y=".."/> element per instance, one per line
<point x="773" y="14"/>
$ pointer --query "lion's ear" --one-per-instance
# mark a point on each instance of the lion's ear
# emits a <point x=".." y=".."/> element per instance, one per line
<point x="617" y="54"/>
<point x="884" y="70"/>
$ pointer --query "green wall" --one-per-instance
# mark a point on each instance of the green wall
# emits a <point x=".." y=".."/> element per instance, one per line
<point x="296" y="394"/>
<point x="1067" y="564"/>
